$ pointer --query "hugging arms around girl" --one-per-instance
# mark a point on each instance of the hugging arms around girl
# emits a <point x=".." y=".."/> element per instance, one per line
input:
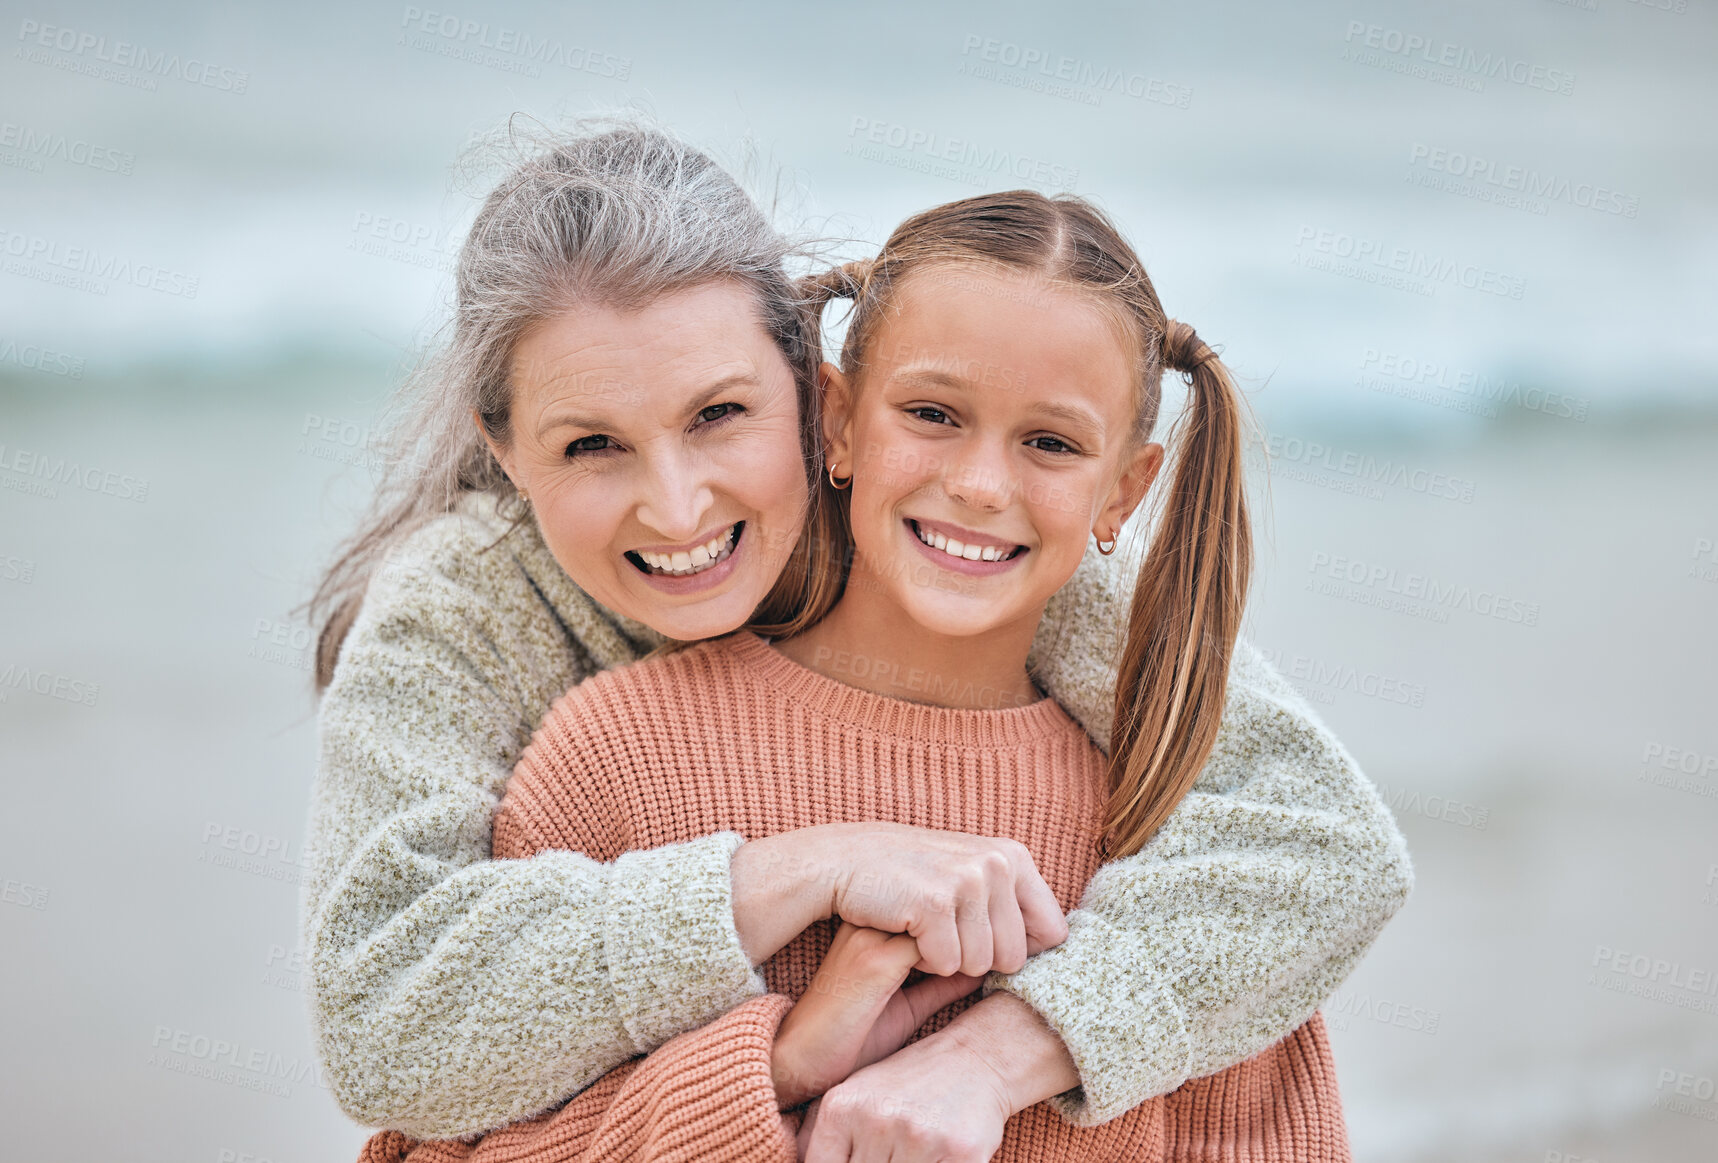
<point x="437" y="974"/>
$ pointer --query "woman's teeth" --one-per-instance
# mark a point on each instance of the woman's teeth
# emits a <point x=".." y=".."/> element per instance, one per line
<point x="960" y="549"/>
<point x="695" y="560"/>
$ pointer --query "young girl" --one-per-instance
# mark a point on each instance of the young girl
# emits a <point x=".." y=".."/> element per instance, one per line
<point x="909" y="699"/>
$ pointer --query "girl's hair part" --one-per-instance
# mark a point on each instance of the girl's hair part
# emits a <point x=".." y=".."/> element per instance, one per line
<point x="614" y="212"/>
<point x="1191" y="591"/>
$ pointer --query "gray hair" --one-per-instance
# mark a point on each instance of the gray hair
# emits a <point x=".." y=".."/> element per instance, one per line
<point x="612" y="213"/>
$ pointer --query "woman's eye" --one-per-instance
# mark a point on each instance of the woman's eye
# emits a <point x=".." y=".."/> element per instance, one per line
<point x="583" y="444"/>
<point x="930" y="415"/>
<point x="716" y="412"/>
<point x="1049" y="444"/>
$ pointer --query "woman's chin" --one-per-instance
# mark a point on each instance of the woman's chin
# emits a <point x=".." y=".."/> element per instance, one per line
<point x="689" y="616"/>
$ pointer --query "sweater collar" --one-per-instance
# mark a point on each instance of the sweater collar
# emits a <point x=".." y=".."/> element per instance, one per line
<point x="898" y="718"/>
<point x="611" y="638"/>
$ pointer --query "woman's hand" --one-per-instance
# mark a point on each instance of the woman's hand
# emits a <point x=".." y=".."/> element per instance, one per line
<point x="855" y="1012"/>
<point x="973" y="903"/>
<point x="936" y="1101"/>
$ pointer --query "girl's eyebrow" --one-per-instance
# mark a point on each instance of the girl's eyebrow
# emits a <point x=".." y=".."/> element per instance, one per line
<point x="1080" y="417"/>
<point x="1071" y="413"/>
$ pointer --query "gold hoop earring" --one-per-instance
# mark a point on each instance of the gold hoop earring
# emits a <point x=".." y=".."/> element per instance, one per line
<point x="845" y="481"/>
<point x="1101" y="549"/>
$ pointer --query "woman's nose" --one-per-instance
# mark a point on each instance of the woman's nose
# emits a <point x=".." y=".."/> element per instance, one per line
<point x="677" y="496"/>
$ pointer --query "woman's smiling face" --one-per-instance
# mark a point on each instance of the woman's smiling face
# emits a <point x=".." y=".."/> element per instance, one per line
<point x="988" y="435"/>
<point x="660" y="450"/>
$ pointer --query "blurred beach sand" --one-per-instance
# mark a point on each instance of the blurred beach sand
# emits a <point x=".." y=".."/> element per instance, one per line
<point x="1477" y="1028"/>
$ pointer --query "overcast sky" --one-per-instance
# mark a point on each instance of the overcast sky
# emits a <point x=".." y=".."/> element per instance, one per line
<point x="1520" y="188"/>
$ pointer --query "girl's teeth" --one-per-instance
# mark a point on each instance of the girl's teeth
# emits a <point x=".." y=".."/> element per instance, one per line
<point x="959" y="549"/>
<point x="700" y="556"/>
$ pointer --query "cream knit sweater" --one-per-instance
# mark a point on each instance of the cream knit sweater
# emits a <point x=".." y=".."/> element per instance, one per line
<point x="450" y="994"/>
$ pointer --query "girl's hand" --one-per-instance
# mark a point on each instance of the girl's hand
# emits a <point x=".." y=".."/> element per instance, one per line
<point x="855" y="1012"/>
<point x="932" y="1102"/>
<point x="973" y="903"/>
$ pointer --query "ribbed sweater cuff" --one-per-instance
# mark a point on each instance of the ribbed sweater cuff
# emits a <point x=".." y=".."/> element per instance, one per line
<point x="720" y="1089"/>
<point x="674" y="956"/>
<point x="1125" y="1053"/>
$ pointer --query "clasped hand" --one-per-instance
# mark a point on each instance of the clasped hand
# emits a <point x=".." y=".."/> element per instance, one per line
<point x="936" y="1101"/>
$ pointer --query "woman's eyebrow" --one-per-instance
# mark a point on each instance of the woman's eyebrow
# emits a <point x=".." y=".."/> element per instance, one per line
<point x="627" y="397"/>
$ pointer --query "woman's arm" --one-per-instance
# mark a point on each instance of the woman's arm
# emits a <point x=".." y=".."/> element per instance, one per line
<point x="450" y="993"/>
<point x="718" y="1092"/>
<point x="1247" y="909"/>
<point x="705" y="1096"/>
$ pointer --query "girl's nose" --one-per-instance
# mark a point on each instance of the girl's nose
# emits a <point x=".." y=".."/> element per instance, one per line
<point x="979" y="479"/>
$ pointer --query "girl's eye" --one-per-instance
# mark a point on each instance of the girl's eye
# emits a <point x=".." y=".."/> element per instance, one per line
<point x="717" y="411"/>
<point x="1049" y="444"/>
<point x="931" y="415"/>
<point x="583" y="444"/>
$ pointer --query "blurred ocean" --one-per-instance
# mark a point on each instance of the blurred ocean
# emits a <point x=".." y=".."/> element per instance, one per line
<point x="1471" y="300"/>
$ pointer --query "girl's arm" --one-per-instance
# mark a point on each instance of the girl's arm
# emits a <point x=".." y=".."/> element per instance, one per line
<point x="450" y="993"/>
<point x="1247" y="909"/>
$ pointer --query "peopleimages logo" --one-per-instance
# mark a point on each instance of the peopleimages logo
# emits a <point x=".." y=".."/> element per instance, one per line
<point x="46" y="682"/>
<point x="1418" y="588"/>
<point x="37" y="146"/>
<point x="1365" y="467"/>
<point x="1059" y="75"/>
<point x="43" y="472"/>
<point x="1447" y="62"/>
<point x="966" y="160"/>
<point x="101" y="268"/>
<point x="1370" y="260"/>
<point x="479" y="41"/>
<point x="1521" y="180"/>
<point x="41" y="359"/>
<point x="87" y="48"/>
<point x="1484" y="391"/>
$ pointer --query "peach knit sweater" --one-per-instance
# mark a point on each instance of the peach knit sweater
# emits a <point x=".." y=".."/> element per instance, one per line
<point x="733" y="735"/>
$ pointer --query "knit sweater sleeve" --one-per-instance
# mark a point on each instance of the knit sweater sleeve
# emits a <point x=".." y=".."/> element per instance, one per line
<point x="705" y="1096"/>
<point x="450" y="993"/>
<point x="1244" y="912"/>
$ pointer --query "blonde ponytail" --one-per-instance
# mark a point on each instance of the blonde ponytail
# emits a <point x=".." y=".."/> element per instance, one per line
<point x="1187" y="608"/>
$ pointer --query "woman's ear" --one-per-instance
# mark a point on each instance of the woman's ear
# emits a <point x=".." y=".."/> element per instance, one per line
<point x="1130" y="489"/>
<point x="503" y="456"/>
<point x="837" y="404"/>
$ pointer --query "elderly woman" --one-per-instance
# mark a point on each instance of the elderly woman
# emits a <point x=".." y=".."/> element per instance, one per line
<point x="615" y="450"/>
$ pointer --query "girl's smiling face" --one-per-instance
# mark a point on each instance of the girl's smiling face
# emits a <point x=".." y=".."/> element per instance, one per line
<point x="989" y="434"/>
<point x="660" y="450"/>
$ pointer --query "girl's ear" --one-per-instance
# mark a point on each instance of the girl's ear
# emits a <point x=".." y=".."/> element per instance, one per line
<point x="1130" y="489"/>
<point x="837" y="416"/>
